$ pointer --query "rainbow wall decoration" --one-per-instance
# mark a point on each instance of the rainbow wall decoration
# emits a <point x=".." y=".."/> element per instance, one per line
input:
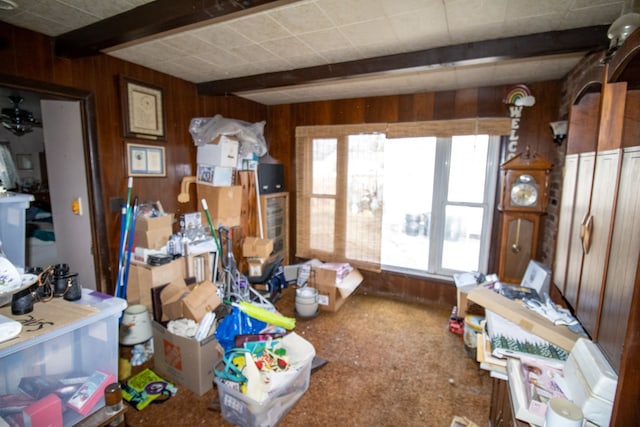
<point x="519" y="95"/>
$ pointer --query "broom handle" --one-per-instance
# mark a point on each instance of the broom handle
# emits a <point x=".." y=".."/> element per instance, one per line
<point x="255" y="172"/>
<point x="205" y="207"/>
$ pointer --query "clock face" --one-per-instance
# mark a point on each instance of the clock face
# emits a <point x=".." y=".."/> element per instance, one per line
<point x="524" y="191"/>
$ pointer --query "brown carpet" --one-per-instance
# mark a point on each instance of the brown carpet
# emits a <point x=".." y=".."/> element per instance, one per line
<point x="389" y="363"/>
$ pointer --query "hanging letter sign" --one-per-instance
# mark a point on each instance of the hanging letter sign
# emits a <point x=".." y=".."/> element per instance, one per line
<point x="519" y="96"/>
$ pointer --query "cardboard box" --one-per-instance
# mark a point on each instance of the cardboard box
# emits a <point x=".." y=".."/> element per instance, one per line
<point x="223" y="151"/>
<point x="152" y="239"/>
<point x="464" y="283"/>
<point x="255" y="267"/>
<point x="216" y="175"/>
<point x="143" y="277"/>
<point x="201" y="300"/>
<point x="224" y="203"/>
<point x="185" y="361"/>
<point x="192" y="302"/>
<point x="527" y="319"/>
<point x="171" y="299"/>
<point x="255" y="247"/>
<point x="331" y="295"/>
<point x="155" y="223"/>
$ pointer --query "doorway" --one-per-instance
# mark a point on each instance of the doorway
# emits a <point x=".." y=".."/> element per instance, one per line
<point x="82" y="106"/>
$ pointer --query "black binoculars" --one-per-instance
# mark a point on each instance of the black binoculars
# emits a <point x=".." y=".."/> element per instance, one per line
<point x="54" y="281"/>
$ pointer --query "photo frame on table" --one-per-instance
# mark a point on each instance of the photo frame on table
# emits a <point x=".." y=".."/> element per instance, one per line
<point x="146" y="160"/>
<point x="142" y="110"/>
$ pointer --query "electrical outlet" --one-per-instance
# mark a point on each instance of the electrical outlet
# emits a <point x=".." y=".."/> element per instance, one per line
<point x="115" y="204"/>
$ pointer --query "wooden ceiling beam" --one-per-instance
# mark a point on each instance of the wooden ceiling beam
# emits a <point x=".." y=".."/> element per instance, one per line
<point x="151" y="19"/>
<point x="534" y="45"/>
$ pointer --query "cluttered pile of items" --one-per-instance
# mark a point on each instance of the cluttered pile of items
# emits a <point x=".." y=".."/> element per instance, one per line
<point x="202" y="298"/>
<point x="556" y="375"/>
<point x="197" y="314"/>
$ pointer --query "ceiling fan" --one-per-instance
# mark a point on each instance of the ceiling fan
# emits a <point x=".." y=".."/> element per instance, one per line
<point x="17" y="120"/>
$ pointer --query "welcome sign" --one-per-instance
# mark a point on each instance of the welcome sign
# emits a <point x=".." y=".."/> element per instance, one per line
<point x="518" y="97"/>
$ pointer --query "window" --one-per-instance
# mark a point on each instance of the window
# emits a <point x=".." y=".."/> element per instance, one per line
<point x="413" y="202"/>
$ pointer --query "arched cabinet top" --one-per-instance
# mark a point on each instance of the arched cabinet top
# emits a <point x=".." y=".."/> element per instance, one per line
<point x="625" y="63"/>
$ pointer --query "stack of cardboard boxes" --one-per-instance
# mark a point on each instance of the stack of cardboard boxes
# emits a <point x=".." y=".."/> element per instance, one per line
<point x="150" y="238"/>
<point x="163" y="288"/>
<point x="256" y="251"/>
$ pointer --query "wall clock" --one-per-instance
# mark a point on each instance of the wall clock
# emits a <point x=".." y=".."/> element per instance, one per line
<point x="524" y="197"/>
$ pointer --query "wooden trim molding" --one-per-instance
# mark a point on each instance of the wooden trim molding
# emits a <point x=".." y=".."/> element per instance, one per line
<point x="92" y="164"/>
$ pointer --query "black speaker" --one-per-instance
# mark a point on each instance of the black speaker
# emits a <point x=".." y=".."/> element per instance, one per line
<point x="271" y="178"/>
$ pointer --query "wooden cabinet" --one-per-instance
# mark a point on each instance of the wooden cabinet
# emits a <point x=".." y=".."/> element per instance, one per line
<point x="598" y="247"/>
<point x="275" y="222"/>
<point x="619" y="317"/>
<point x="622" y="260"/>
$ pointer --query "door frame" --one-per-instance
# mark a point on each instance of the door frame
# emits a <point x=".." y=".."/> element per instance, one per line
<point x="91" y="164"/>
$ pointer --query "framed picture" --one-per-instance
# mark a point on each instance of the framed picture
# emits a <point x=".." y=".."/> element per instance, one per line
<point x="145" y="160"/>
<point x="24" y="161"/>
<point x="142" y="110"/>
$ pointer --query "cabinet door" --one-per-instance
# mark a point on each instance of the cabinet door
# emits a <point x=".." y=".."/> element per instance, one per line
<point x="275" y="223"/>
<point x="595" y="257"/>
<point x="625" y="249"/>
<point x="563" y="237"/>
<point x="586" y="165"/>
<point x="519" y="241"/>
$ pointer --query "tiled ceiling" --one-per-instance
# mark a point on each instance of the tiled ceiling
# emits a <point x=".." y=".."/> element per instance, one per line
<point x="291" y="35"/>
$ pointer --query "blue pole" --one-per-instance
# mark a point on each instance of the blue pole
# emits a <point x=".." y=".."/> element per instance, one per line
<point x="123" y="225"/>
<point x="129" y="248"/>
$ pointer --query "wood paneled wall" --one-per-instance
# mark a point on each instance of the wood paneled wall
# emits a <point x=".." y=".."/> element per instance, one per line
<point x="30" y="56"/>
<point x="478" y="102"/>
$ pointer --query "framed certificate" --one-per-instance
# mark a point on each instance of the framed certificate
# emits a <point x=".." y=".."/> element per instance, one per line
<point x="142" y="110"/>
<point x="145" y="160"/>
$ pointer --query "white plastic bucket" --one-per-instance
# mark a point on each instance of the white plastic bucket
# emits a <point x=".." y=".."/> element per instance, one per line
<point x="135" y="327"/>
<point x="306" y="301"/>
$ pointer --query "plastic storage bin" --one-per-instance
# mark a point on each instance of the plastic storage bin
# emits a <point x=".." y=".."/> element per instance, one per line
<point x="73" y="350"/>
<point x="12" y="226"/>
<point x="241" y="410"/>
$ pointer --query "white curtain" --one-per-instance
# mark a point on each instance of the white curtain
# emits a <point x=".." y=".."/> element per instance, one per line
<point x="8" y="172"/>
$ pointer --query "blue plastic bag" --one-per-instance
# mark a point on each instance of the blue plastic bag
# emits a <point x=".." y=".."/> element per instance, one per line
<point x="236" y="323"/>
